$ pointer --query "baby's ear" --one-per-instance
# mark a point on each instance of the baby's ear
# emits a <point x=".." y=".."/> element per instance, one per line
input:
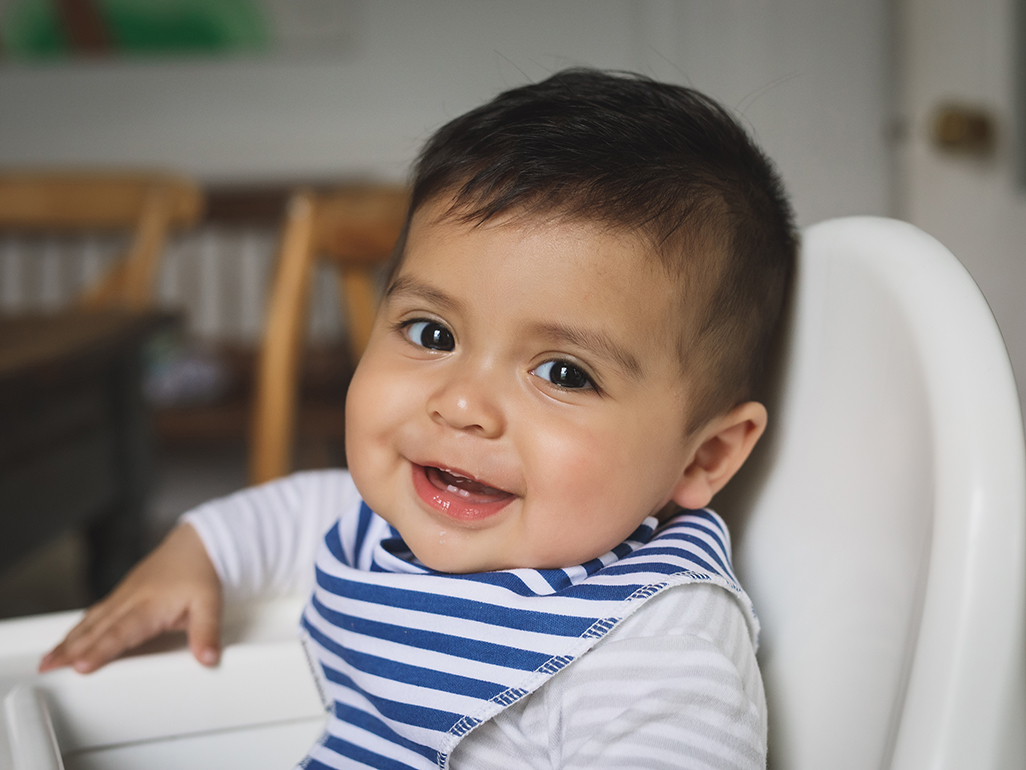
<point x="723" y="446"/>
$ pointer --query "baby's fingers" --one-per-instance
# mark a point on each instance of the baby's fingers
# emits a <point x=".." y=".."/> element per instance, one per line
<point x="175" y="587"/>
<point x="96" y="642"/>
<point x="101" y="649"/>
<point x="204" y="629"/>
<point x="63" y="653"/>
<point x="55" y="658"/>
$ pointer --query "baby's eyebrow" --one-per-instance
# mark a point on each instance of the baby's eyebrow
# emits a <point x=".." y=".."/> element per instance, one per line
<point x="597" y="341"/>
<point x="405" y="285"/>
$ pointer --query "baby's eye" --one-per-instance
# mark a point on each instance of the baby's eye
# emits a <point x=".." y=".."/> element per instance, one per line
<point x="430" y="334"/>
<point x="565" y="375"/>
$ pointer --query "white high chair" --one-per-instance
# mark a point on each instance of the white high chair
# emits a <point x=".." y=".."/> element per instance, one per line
<point x="879" y="529"/>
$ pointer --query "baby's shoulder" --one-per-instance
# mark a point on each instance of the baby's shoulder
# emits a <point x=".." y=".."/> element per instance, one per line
<point x="317" y="498"/>
<point x="332" y="485"/>
<point x="700" y="610"/>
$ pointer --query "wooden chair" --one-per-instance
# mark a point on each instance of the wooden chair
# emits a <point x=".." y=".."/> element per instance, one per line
<point x="150" y="205"/>
<point x="74" y="434"/>
<point x="354" y="229"/>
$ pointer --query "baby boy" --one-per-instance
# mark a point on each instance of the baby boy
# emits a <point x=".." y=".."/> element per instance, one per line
<point x="518" y="570"/>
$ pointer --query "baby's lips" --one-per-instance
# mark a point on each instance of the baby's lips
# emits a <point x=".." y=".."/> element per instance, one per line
<point x="434" y="487"/>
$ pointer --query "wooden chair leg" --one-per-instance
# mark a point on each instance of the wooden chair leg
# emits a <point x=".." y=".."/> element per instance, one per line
<point x="130" y="283"/>
<point x="147" y="246"/>
<point x="274" y="415"/>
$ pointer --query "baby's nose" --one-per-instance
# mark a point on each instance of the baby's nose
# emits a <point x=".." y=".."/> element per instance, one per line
<point x="467" y="401"/>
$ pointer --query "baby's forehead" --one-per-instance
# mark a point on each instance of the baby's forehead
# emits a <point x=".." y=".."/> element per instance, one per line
<point x="648" y="266"/>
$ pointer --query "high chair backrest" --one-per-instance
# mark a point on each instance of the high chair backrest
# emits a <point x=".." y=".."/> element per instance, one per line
<point x="880" y="528"/>
<point x="355" y="229"/>
<point x="149" y="205"/>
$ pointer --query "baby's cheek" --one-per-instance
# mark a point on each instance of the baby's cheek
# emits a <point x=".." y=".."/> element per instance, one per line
<point x="369" y="428"/>
<point x="375" y="404"/>
<point x="567" y="452"/>
<point x="583" y="469"/>
<point x="359" y="407"/>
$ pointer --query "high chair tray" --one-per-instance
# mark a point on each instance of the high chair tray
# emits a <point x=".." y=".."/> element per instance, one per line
<point x="258" y="709"/>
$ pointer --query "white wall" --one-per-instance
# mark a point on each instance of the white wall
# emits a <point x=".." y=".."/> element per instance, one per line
<point x="810" y="78"/>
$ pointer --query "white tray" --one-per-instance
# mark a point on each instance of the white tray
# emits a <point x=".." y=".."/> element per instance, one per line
<point x="258" y="709"/>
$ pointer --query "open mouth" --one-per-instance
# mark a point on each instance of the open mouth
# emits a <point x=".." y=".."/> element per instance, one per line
<point x="457" y="495"/>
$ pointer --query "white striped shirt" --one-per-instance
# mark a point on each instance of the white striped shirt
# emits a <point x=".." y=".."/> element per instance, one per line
<point x="674" y="685"/>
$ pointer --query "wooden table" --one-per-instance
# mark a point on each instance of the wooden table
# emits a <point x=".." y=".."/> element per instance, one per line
<point x="75" y="445"/>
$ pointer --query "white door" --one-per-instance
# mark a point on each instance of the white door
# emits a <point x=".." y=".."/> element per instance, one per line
<point x="963" y="53"/>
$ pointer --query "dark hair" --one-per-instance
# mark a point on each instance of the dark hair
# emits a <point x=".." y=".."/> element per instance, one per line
<point x="635" y="154"/>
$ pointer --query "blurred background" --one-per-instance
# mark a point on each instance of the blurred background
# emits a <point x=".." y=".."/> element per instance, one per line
<point x="905" y="108"/>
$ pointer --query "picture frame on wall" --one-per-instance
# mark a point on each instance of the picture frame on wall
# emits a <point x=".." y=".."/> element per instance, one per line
<point x="42" y="31"/>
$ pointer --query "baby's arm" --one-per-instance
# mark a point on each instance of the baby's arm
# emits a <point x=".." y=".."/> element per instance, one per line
<point x="174" y="588"/>
<point x="257" y="542"/>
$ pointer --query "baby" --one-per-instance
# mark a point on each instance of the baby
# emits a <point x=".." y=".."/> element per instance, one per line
<point x="518" y="570"/>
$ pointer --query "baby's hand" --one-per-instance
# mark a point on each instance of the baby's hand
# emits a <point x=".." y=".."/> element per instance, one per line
<point x="174" y="588"/>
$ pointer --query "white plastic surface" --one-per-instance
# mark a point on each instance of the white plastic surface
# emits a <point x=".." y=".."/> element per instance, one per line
<point x="30" y="730"/>
<point x="258" y="709"/>
<point x="880" y="529"/>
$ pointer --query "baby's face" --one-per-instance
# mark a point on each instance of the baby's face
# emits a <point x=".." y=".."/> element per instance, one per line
<point x="520" y="402"/>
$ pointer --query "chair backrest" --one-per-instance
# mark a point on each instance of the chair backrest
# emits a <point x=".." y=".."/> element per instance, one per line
<point x="881" y="528"/>
<point x="355" y="229"/>
<point x="148" y="205"/>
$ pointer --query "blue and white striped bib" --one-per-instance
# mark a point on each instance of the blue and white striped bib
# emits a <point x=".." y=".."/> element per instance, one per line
<point x="412" y="660"/>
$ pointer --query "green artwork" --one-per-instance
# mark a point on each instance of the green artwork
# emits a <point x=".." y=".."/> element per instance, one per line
<point x="55" y="29"/>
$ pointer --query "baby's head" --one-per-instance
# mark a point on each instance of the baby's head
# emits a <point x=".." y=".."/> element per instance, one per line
<point x="575" y="325"/>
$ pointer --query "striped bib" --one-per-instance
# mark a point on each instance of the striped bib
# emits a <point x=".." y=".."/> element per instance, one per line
<point x="411" y="660"/>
